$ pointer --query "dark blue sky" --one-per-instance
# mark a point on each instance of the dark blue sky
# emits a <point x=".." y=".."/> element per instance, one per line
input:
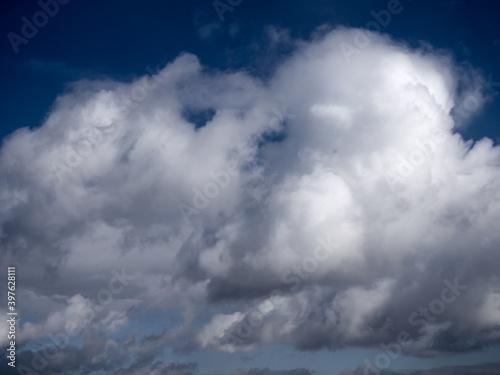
<point x="119" y="39"/>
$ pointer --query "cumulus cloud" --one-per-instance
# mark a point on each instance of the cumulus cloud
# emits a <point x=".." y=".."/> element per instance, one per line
<point x="320" y="208"/>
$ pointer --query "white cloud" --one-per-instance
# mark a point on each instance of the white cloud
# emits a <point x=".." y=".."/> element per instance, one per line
<point x="126" y="156"/>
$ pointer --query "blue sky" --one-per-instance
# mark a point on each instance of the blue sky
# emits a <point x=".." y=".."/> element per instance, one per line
<point x="254" y="132"/>
<point x="119" y="39"/>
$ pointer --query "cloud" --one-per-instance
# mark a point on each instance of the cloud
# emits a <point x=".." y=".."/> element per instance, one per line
<point x="321" y="208"/>
<point x="161" y="369"/>
<point x="267" y="371"/>
<point x="488" y="368"/>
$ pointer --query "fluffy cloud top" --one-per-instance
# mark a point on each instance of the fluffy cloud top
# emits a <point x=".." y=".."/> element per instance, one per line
<point x="329" y="206"/>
